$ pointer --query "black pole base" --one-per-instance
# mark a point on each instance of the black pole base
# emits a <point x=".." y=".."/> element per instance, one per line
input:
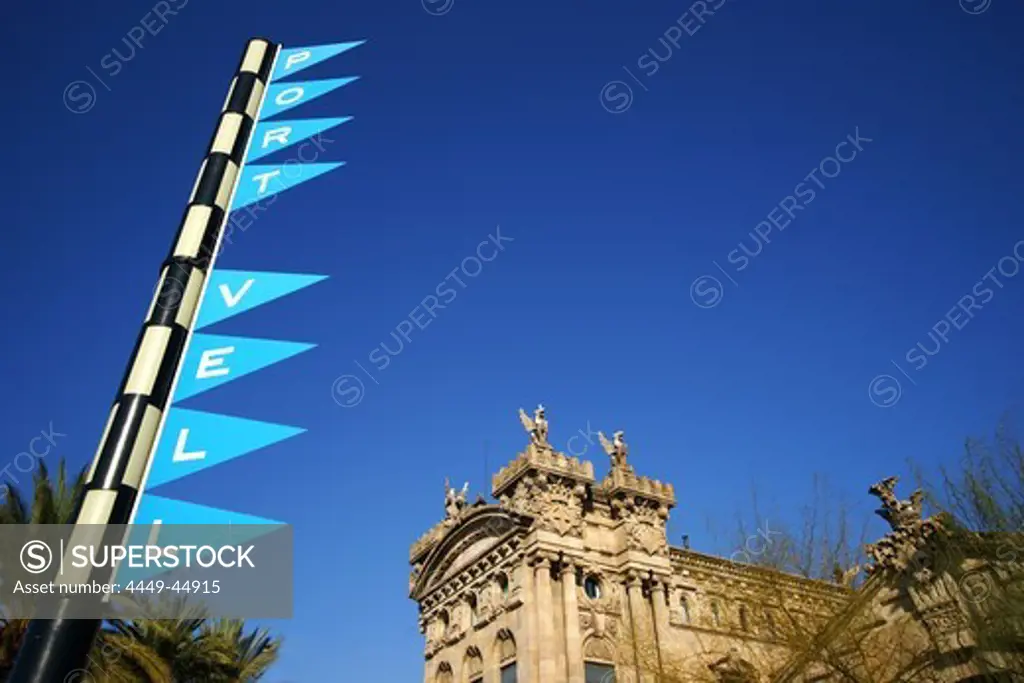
<point x="54" y="651"/>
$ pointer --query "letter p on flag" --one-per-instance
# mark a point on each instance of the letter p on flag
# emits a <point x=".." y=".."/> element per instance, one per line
<point x="295" y="59"/>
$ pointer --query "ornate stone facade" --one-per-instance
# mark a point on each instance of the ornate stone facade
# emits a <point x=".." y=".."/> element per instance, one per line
<point x="549" y="582"/>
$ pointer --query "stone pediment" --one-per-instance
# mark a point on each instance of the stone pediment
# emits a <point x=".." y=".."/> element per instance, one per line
<point x="476" y="534"/>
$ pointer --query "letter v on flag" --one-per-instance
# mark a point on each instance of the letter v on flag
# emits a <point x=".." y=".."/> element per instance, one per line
<point x="213" y="360"/>
<point x="294" y="59"/>
<point x="231" y="292"/>
<point x="261" y="182"/>
<point x="193" y="441"/>
<point x="267" y="138"/>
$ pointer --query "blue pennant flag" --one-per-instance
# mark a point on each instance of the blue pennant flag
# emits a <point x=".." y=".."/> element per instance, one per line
<point x="193" y="441"/>
<point x="294" y="59"/>
<point x="158" y="510"/>
<point x="270" y="137"/>
<point x="213" y="360"/>
<point x="284" y="96"/>
<point x="262" y="182"/>
<point x="231" y="292"/>
<point x="157" y="523"/>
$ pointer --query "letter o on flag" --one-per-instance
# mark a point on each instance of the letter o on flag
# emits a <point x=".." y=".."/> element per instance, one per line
<point x="290" y="96"/>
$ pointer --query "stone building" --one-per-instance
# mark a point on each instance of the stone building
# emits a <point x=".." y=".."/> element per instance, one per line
<point x="567" y="579"/>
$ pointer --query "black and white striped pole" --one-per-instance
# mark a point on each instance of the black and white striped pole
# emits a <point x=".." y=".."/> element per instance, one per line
<point x="56" y="650"/>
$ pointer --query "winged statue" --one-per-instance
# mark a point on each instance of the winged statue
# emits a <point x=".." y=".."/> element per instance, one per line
<point x="454" y="501"/>
<point x="616" y="449"/>
<point x="537" y="427"/>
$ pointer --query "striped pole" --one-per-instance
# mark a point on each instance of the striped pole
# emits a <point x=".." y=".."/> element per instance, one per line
<point x="56" y="650"/>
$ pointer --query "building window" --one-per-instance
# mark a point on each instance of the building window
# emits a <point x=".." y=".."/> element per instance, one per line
<point x="595" y="672"/>
<point x="444" y="673"/>
<point x="473" y="666"/>
<point x="684" y="607"/>
<point x="508" y="673"/>
<point x="592" y="588"/>
<point x="716" y="617"/>
<point x="744" y="621"/>
<point x="471" y="601"/>
<point x="502" y="582"/>
<point x="505" y="648"/>
<point x="769" y="621"/>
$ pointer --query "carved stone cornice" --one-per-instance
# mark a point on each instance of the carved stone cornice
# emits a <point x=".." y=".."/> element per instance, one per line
<point x="624" y="482"/>
<point x="912" y="546"/>
<point x="542" y="559"/>
<point x="541" y="459"/>
<point x="463" y="551"/>
<point x="424" y="543"/>
<point x="553" y="500"/>
<point x="641" y="506"/>
<point x="706" y="568"/>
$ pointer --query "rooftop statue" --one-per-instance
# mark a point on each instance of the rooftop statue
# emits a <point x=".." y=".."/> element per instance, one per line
<point x="454" y="501"/>
<point x="616" y="449"/>
<point x="900" y="514"/>
<point x="537" y="428"/>
<point x="902" y="546"/>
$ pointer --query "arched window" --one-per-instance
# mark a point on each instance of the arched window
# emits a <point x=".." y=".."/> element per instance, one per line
<point x="444" y="673"/>
<point x="473" y="666"/>
<point x="505" y="649"/>
<point x="769" y="621"/>
<point x="502" y="582"/>
<point x="684" y="607"/>
<point x="473" y="614"/>
<point x="716" y="616"/>
<point x="598" y="661"/>
<point x="744" y="620"/>
<point x="443" y="622"/>
<point x="592" y="587"/>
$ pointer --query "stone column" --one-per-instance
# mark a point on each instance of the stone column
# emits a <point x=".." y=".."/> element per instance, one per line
<point x="526" y="652"/>
<point x="638" y="622"/>
<point x="492" y="665"/>
<point x="661" y="625"/>
<point x="427" y="672"/>
<point x="573" y="644"/>
<point x="545" y="620"/>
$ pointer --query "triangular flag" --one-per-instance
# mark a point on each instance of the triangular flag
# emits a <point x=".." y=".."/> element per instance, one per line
<point x="284" y="96"/>
<point x="294" y="59"/>
<point x="231" y="292"/>
<point x="159" y="510"/>
<point x="163" y="522"/>
<point x="213" y="360"/>
<point x="267" y="138"/>
<point x="261" y="182"/>
<point x="193" y="441"/>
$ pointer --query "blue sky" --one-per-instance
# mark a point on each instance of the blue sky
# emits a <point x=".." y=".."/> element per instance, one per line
<point x="470" y="115"/>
